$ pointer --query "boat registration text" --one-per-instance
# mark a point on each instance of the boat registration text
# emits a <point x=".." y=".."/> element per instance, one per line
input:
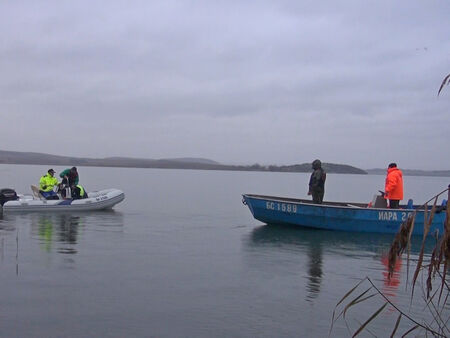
<point x="285" y="207"/>
<point x="393" y="216"/>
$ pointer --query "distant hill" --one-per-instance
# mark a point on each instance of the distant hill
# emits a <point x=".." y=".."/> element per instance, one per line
<point x="412" y="172"/>
<point x="181" y="159"/>
<point x="193" y="160"/>
<point x="328" y="167"/>
<point x="15" y="157"/>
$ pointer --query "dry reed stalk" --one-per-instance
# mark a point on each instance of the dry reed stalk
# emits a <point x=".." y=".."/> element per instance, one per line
<point x="440" y="254"/>
<point x="445" y="246"/>
<point x="445" y="82"/>
<point x="426" y="228"/>
<point x="387" y="301"/>
<point x="400" y="243"/>
<point x="433" y="267"/>
<point x="408" y="252"/>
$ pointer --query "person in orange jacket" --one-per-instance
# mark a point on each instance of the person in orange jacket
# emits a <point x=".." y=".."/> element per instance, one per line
<point x="394" y="186"/>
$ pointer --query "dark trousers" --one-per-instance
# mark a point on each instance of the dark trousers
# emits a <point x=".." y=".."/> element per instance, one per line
<point x="317" y="195"/>
<point x="49" y="195"/>
<point x="394" y="204"/>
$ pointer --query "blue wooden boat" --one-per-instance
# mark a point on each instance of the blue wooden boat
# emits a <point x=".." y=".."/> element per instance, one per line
<point x="340" y="216"/>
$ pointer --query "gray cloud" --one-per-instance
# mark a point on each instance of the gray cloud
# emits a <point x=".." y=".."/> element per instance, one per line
<point x="239" y="82"/>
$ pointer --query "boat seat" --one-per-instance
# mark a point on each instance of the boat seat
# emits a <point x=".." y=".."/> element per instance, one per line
<point x="36" y="192"/>
<point x="353" y="206"/>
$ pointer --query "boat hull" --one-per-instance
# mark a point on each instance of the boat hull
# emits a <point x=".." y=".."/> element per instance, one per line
<point x="337" y="216"/>
<point x="98" y="200"/>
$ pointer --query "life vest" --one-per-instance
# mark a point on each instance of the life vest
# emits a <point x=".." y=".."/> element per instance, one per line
<point x="81" y="190"/>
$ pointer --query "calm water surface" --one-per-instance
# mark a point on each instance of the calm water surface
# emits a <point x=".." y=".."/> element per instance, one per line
<point x="182" y="257"/>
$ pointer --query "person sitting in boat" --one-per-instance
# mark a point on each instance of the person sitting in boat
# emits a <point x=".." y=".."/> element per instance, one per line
<point x="317" y="182"/>
<point x="393" y="190"/>
<point x="70" y="177"/>
<point x="46" y="185"/>
<point x="78" y="192"/>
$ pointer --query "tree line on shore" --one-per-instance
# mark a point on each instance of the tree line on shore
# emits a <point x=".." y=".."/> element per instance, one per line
<point x="14" y="157"/>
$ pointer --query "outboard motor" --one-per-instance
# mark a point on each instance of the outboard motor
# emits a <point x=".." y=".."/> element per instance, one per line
<point x="6" y="195"/>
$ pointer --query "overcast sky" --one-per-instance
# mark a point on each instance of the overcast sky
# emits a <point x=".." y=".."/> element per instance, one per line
<point x="269" y="82"/>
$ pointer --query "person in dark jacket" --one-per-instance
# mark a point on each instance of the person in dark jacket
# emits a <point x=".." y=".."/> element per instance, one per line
<point x="317" y="182"/>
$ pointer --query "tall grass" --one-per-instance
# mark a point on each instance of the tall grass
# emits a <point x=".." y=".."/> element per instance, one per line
<point x="432" y="269"/>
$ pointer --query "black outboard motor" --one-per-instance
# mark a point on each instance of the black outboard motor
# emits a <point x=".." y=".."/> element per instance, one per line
<point x="6" y="195"/>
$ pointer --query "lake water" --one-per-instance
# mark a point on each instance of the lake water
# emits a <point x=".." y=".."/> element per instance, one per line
<point x="183" y="257"/>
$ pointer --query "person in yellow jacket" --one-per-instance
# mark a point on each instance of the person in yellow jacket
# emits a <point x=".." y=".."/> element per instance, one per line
<point x="46" y="184"/>
<point x="78" y="192"/>
<point x="394" y="186"/>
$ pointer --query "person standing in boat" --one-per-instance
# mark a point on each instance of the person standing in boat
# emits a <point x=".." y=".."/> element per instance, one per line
<point x="70" y="176"/>
<point x="317" y="182"/>
<point x="393" y="190"/>
<point x="46" y="185"/>
<point x="70" y="180"/>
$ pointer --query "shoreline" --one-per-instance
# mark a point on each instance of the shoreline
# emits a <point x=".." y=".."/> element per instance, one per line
<point x="220" y="167"/>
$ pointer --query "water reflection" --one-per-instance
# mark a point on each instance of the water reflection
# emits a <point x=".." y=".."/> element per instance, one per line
<point x="4" y="224"/>
<point x="391" y="283"/>
<point x="62" y="230"/>
<point x="290" y="239"/>
<point x="6" y="228"/>
<point x="318" y="245"/>
<point x="314" y="253"/>
<point x="64" y="227"/>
